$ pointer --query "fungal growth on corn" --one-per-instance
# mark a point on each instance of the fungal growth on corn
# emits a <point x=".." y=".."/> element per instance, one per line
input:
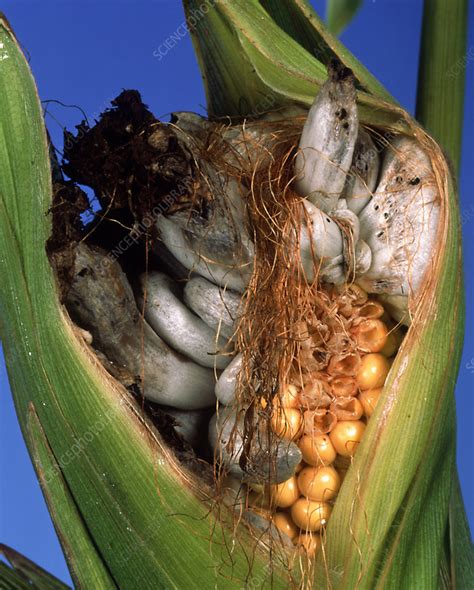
<point x="251" y="284"/>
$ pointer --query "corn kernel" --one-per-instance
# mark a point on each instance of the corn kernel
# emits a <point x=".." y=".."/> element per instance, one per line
<point x="308" y="544"/>
<point x="347" y="408"/>
<point x="309" y="515"/>
<point x="319" y="483"/>
<point x="373" y="371"/>
<point x="287" y="423"/>
<point x="317" y="450"/>
<point x="346" y="436"/>
<point x="288" y="397"/>
<point x="369" y="399"/>
<point x="285" y="524"/>
<point x="285" y="494"/>
<point x="371" y="335"/>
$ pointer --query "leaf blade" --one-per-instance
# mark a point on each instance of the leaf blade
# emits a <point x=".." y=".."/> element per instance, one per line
<point x="300" y="21"/>
<point x="441" y="77"/>
<point x="24" y="573"/>
<point x="87" y="568"/>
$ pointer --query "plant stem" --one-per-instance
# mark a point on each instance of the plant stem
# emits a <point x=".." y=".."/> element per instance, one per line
<point x="441" y="77"/>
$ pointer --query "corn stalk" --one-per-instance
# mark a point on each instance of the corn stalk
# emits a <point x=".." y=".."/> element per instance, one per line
<point x="123" y="508"/>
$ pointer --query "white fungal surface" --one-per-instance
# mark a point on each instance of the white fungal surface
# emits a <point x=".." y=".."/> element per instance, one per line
<point x="213" y="242"/>
<point x="226" y="385"/>
<point x="399" y="224"/>
<point x="327" y="142"/>
<point x="363" y="174"/>
<point x="179" y="327"/>
<point x="217" y="307"/>
<point x="379" y="225"/>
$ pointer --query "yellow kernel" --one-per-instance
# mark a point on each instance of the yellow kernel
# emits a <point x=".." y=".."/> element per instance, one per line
<point x="317" y="450"/>
<point x="287" y="423"/>
<point x="373" y="371"/>
<point x="288" y="397"/>
<point x="309" y="515"/>
<point x="371" y="335"/>
<point x="309" y="544"/>
<point x="285" y="524"/>
<point x="285" y="494"/>
<point x="319" y="483"/>
<point x="346" y="436"/>
<point x="394" y="339"/>
<point x="369" y="399"/>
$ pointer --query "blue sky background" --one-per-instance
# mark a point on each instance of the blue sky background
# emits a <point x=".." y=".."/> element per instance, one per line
<point x="84" y="53"/>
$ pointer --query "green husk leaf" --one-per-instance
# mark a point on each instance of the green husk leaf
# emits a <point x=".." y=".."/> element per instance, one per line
<point x="24" y="573"/>
<point x="299" y="20"/>
<point x="442" y="72"/>
<point x="460" y="548"/>
<point x="339" y="14"/>
<point x="12" y="580"/>
<point x="244" y="70"/>
<point x="86" y="566"/>
<point x="127" y="490"/>
<point x="440" y="107"/>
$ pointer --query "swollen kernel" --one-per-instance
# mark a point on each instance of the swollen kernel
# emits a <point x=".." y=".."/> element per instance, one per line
<point x="319" y="483"/>
<point x="317" y="450"/>
<point x="309" y="544"/>
<point x="346" y="436"/>
<point x="369" y="399"/>
<point x="287" y="423"/>
<point x="309" y="515"/>
<point x="285" y="494"/>
<point x="371" y="335"/>
<point x="373" y="371"/>
<point x="285" y="524"/>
